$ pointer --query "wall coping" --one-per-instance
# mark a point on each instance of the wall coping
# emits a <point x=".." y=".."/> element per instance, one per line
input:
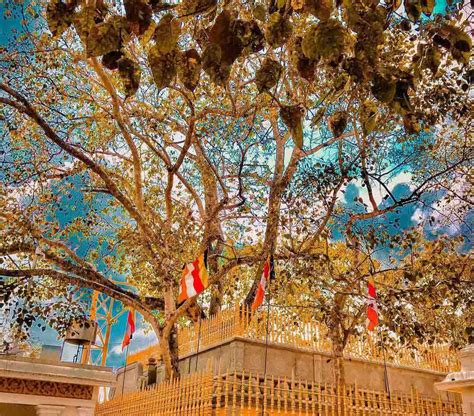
<point x="44" y="370"/>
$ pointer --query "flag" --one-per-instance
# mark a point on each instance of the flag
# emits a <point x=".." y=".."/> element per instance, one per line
<point x="372" y="311"/>
<point x="194" y="279"/>
<point x="267" y="274"/>
<point x="129" y="330"/>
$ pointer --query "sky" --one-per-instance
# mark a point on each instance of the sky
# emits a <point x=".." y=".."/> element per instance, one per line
<point x="408" y="216"/>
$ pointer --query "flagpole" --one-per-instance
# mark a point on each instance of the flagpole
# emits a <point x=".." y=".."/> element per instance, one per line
<point x="387" y="385"/>
<point x="199" y="342"/>
<point x="266" y="333"/>
<point x="125" y="367"/>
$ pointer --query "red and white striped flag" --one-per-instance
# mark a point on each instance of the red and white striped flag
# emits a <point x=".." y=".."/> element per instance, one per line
<point x="372" y="310"/>
<point x="194" y="279"/>
<point x="130" y="329"/>
<point x="267" y="274"/>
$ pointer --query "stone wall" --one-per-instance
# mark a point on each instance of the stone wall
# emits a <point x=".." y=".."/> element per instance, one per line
<point x="283" y="361"/>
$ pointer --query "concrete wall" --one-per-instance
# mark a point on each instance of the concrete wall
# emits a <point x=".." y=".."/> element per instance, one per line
<point x="7" y="409"/>
<point x="27" y="383"/>
<point x="283" y="361"/>
<point x="133" y="374"/>
<point x="462" y="382"/>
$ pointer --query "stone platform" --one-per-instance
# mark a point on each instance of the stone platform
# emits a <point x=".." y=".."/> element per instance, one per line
<point x="241" y="354"/>
<point x="50" y="388"/>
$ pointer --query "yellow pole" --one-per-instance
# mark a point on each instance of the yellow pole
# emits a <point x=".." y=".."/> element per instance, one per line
<point x="105" y="347"/>
<point x="93" y="313"/>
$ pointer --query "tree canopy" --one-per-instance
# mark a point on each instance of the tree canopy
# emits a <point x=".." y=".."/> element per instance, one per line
<point x="138" y="134"/>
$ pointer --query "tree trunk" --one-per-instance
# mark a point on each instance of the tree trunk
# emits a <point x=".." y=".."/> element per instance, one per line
<point x="337" y="360"/>
<point x="338" y="367"/>
<point x="336" y="334"/>
<point x="271" y="235"/>
<point x="169" y="343"/>
<point x="213" y="231"/>
<point x="168" y="346"/>
<point x="217" y="295"/>
<point x="217" y="291"/>
<point x="170" y="354"/>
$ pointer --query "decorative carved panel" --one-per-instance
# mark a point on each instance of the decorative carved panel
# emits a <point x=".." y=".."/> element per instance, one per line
<point x="45" y="388"/>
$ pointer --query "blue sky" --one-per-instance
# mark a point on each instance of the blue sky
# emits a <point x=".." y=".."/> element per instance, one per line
<point x="10" y="28"/>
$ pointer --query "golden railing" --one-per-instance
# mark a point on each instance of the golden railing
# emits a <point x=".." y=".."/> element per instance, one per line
<point x="245" y="393"/>
<point x="307" y="334"/>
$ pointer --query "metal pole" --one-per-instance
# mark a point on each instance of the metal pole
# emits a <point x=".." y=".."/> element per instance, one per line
<point x="266" y="340"/>
<point x="199" y="343"/>
<point x="105" y="347"/>
<point x="125" y="368"/>
<point x="93" y="315"/>
<point x="387" y="384"/>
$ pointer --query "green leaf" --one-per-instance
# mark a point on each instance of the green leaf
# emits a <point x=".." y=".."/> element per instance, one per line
<point x="326" y="40"/>
<point x="292" y="116"/>
<point x="212" y="64"/>
<point x="305" y="66"/>
<point x="401" y="102"/>
<point x="194" y="7"/>
<point x="318" y="116"/>
<point x="248" y="34"/>
<point x="411" y="124"/>
<point x="429" y="57"/>
<point x="427" y="6"/>
<point x="462" y="44"/>
<point x="393" y="4"/>
<point x="167" y="33"/>
<point x="110" y="60"/>
<point x="84" y="22"/>
<point x="337" y="123"/>
<point x="59" y="17"/>
<point x="163" y="67"/>
<point x="278" y="30"/>
<point x="383" y="88"/>
<point x="259" y="12"/>
<point x="222" y="34"/>
<point x="322" y="9"/>
<point x="107" y="36"/>
<point x="139" y="14"/>
<point x="189" y="70"/>
<point x="268" y="75"/>
<point x="413" y="9"/>
<point x="368" y="115"/>
<point x="130" y="73"/>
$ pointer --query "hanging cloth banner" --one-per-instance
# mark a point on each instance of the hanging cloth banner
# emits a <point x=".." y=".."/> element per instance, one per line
<point x="194" y="279"/>
<point x="129" y="330"/>
<point x="372" y="310"/>
<point x="267" y="274"/>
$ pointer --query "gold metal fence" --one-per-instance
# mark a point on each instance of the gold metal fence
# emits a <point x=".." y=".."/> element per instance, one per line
<point x="302" y="333"/>
<point x="250" y="394"/>
<point x="190" y="395"/>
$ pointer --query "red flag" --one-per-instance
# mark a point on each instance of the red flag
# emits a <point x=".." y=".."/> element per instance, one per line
<point x="372" y="310"/>
<point x="130" y="329"/>
<point x="194" y="279"/>
<point x="267" y="274"/>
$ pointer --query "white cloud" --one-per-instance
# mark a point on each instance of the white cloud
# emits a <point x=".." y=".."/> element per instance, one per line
<point x="378" y="191"/>
<point x="142" y="338"/>
<point x="444" y="218"/>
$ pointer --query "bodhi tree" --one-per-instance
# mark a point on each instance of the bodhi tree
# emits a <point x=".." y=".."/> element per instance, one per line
<point x="424" y="297"/>
<point x="201" y="125"/>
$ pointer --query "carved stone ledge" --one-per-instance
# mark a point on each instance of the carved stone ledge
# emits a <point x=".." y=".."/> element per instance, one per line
<point x="45" y="388"/>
